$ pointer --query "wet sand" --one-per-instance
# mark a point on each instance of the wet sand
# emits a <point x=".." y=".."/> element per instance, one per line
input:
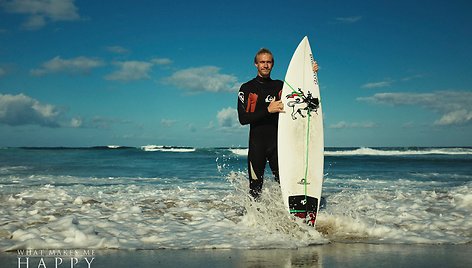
<point x="330" y="255"/>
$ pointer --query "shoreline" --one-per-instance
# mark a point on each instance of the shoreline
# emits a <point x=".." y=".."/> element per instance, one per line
<point x="328" y="255"/>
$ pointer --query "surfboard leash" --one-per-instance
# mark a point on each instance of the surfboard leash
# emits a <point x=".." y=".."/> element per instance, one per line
<point x="309" y="108"/>
<point x="306" y="155"/>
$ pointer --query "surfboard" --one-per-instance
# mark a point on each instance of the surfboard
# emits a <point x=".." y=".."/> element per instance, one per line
<point x="300" y="137"/>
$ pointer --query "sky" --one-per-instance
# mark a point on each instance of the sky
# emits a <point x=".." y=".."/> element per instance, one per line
<point x="134" y="73"/>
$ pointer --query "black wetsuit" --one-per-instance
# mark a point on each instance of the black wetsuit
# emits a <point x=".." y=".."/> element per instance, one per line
<point x="254" y="98"/>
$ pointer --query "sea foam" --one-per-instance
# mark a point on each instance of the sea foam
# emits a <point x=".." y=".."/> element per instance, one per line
<point x="71" y="199"/>
<point x="161" y="148"/>
<point x="117" y="214"/>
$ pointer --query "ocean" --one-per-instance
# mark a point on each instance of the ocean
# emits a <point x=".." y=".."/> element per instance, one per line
<point x="157" y="197"/>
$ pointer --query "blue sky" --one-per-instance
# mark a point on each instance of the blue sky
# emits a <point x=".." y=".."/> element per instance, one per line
<point x="86" y="73"/>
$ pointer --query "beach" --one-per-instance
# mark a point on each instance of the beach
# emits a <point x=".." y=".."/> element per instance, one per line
<point x="331" y="255"/>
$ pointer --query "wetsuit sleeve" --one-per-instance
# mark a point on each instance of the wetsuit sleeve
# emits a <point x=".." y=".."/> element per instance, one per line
<point x="247" y="112"/>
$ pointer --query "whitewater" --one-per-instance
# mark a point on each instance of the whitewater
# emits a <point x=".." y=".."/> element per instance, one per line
<point x="164" y="197"/>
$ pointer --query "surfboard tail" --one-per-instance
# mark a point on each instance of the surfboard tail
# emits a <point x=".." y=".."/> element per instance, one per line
<point x="304" y="207"/>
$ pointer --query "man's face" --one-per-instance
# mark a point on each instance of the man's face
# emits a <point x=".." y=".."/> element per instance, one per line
<point x="264" y="65"/>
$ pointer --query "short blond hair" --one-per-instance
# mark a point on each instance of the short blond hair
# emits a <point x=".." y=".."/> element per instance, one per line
<point x="263" y="51"/>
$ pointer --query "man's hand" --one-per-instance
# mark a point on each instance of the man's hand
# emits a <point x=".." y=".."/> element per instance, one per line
<point x="315" y="67"/>
<point x="275" y="106"/>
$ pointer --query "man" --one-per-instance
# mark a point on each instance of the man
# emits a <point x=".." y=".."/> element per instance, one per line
<point x="259" y="105"/>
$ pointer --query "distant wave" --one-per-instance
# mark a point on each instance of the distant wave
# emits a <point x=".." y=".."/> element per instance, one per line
<point x="115" y="146"/>
<point x="380" y="151"/>
<point x="161" y="148"/>
<point x="239" y="151"/>
<point x="111" y="147"/>
<point x="329" y="151"/>
<point x="398" y="151"/>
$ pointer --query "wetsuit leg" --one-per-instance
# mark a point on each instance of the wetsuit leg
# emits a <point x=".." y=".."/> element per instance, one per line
<point x="256" y="166"/>
<point x="274" y="163"/>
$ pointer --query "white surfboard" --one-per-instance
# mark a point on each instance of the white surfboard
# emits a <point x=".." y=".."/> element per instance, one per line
<point x="300" y="137"/>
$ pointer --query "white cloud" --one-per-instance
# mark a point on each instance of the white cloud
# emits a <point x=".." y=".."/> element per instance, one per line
<point x="117" y="49"/>
<point x="161" y="61"/>
<point x="76" y="122"/>
<point x="388" y="82"/>
<point x="211" y="125"/>
<point x="131" y="70"/>
<point x="412" y="77"/>
<point x="20" y="109"/>
<point x="344" y="124"/>
<point x="74" y="65"/>
<point x="167" y="122"/>
<point x="17" y="110"/>
<point x="40" y="12"/>
<point x="379" y="84"/>
<point x="349" y="20"/>
<point x="136" y="70"/>
<point x="455" y="107"/>
<point x="457" y="117"/>
<point x="228" y="118"/>
<point x="98" y="122"/>
<point x="205" y="78"/>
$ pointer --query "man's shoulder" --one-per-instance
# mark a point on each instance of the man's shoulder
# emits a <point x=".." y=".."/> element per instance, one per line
<point x="280" y="82"/>
<point x="252" y="84"/>
<point x="247" y="85"/>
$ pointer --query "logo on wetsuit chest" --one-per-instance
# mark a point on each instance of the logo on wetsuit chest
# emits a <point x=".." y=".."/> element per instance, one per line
<point x="269" y="98"/>
<point x="241" y="96"/>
